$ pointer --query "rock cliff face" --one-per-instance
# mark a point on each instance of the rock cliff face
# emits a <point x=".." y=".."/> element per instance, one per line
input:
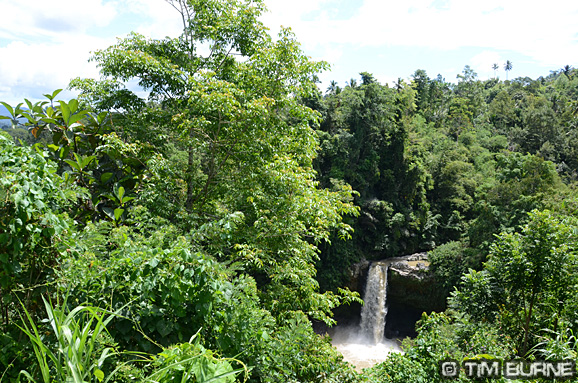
<point x="358" y="276"/>
<point x="412" y="290"/>
<point x="411" y="284"/>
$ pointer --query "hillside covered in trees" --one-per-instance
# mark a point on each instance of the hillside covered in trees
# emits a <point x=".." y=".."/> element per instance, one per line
<point x="194" y="233"/>
<point x="452" y="164"/>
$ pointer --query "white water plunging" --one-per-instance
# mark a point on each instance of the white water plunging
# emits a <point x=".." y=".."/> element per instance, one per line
<point x="374" y="310"/>
<point x="364" y="346"/>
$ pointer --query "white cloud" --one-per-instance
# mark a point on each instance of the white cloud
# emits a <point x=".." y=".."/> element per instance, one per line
<point x="53" y="19"/>
<point x="29" y="70"/>
<point x="384" y="79"/>
<point x="45" y="43"/>
<point x="289" y="13"/>
<point x="545" y="32"/>
<point x="50" y="42"/>
<point x="164" y="20"/>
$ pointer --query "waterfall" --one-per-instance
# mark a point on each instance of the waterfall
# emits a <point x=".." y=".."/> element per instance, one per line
<point x="365" y="345"/>
<point x="374" y="310"/>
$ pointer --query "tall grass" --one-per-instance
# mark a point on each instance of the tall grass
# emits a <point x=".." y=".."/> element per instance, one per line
<point x="74" y="359"/>
<point x="77" y="334"/>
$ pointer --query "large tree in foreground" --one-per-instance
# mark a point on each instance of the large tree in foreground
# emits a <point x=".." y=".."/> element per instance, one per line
<point x="228" y="96"/>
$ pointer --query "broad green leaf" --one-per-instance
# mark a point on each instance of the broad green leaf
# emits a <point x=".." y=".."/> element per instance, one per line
<point x="49" y="120"/>
<point x="38" y="107"/>
<point x="53" y="95"/>
<point x="101" y="117"/>
<point x="9" y="108"/>
<point x="109" y="196"/>
<point x="118" y="213"/>
<point x="109" y="212"/>
<point x="73" y="106"/>
<point x="87" y="160"/>
<point x="18" y="110"/>
<point x="29" y="117"/>
<point x="105" y="177"/>
<point x="29" y="104"/>
<point x="99" y="374"/>
<point x="65" y="110"/>
<point x="118" y="191"/>
<point x="73" y="164"/>
<point x="127" y="199"/>
<point x="77" y="117"/>
<point x="120" y="194"/>
<point x="64" y="152"/>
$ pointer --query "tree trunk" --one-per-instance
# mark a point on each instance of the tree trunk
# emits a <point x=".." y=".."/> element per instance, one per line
<point x="189" y="178"/>
<point x="527" y="325"/>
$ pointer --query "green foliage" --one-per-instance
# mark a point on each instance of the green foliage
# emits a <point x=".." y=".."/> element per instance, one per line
<point x="34" y="225"/>
<point x="171" y="290"/>
<point x="442" y="336"/>
<point x="399" y="369"/>
<point x="191" y="362"/>
<point x="366" y="142"/>
<point x="439" y="162"/>
<point x="78" y="355"/>
<point x="250" y="195"/>
<point x="502" y="112"/>
<point x="297" y="354"/>
<point x="248" y="184"/>
<point x="87" y="152"/>
<point x="476" y="296"/>
<point x="447" y="263"/>
<point x="557" y="345"/>
<point x="522" y="183"/>
<point x="175" y="293"/>
<point x="529" y="279"/>
<point x="536" y="269"/>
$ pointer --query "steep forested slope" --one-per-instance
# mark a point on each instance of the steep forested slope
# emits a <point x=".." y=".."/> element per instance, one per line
<point x="435" y="162"/>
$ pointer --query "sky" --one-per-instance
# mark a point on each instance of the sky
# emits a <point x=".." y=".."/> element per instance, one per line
<point x="46" y="43"/>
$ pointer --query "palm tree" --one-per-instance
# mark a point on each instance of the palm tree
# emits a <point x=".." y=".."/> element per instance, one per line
<point x="399" y="85"/>
<point x="508" y="67"/>
<point x="567" y="70"/>
<point x="332" y="89"/>
<point x="495" y="68"/>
